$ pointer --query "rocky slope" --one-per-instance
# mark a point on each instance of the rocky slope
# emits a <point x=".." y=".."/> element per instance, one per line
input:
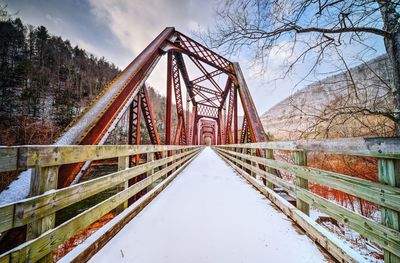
<point x="302" y="114"/>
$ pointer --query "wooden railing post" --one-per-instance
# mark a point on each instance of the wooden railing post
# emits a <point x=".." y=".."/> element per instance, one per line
<point x="123" y="163"/>
<point x="389" y="174"/>
<point x="253" y="153"/>
<point x="150" y="158"/>
<point x="300" y="158"/>
<point x="242" y="151"/>
<point x="165" y="155"/>
<point x="269" y="154"/>
<point x="42" y="180"/>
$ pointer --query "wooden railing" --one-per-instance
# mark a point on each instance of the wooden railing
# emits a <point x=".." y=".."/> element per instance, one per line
<point x="38" y="211"/>
<point x="386" y="193"/>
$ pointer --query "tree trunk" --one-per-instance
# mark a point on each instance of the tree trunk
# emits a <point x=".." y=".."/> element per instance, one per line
<point x="395" y="59"/>
<point x="392" y="44"/>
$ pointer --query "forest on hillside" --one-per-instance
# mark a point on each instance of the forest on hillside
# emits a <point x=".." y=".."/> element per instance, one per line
<point x="44" y="82"/>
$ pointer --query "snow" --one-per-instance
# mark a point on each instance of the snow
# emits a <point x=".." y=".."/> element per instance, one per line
<point x="18" y="189"/>
<point x="350" y="241"/>
<point x="95" y="236"/>
<point x="209" y="214"/>
<point x="95" y="110"/>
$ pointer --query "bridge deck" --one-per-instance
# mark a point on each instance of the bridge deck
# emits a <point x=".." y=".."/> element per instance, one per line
<point x="210" y="214"/>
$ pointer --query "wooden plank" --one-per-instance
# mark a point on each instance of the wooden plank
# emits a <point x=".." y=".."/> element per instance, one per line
<point x="31" y="156"/>
<point x="333" y="245"/>
<point x="372" y="147"/>
<point x="31" y="209"/>
<point x="123" y="163"/>
<point x="289" y="187"/>
<point x="384" y="195"/>
<point x="269" y="154"/>
<point x="35" y="249"/>
<point x="382" y="235"/>
<point x="91" y="249"/>
<point x="300" y="158"/>
<point x="389" y="173"/>
<point x="150" y="159"/>
<point x="43" y="179"/>
<point x="7" y="217"/>
<point x="8" y="158"/>
<point x="253" y="153"/>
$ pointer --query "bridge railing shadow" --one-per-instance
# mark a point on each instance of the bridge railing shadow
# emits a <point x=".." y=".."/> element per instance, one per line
<point x="385" y="192"/>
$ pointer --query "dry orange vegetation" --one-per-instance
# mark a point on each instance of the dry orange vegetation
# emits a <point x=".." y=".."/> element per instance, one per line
<point x="360" y="167"/>
<point x="77" y="239"/>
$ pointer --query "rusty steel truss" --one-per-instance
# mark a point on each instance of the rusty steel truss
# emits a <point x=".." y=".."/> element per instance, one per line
<point x="211" y="108"/>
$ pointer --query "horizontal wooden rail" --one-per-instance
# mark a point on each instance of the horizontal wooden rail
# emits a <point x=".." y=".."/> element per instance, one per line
<point x="29" y="210"/>
<point x="312" y="229"/>
<point x="372" y="147"/>
<point x="384" y="236"/>
<point x="38" y="211"/>
<point x="23" y="157"/>
<point x="386" y="194"/>
<point x="289" y="187"/>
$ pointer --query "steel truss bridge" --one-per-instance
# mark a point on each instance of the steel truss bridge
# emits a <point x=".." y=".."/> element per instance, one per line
<point x="33" y="228"/>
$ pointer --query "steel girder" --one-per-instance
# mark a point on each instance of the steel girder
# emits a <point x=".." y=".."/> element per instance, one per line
<point x="207" y="127"/>
<point x="149" y="120"/>
<point x="134" y="122"/>
<point x="253" y="120"/>
<point x="228" y="132"/>
<point x="197" y="51"/>
<point x="235" y="116"/>
<point x="97" y="121"/>
<point x="244" y="131"/>
<point x="96" y="129"/>
<point x="207" y="111"/>
<point x="207" y="76"/>
<point x="180" y="134"/>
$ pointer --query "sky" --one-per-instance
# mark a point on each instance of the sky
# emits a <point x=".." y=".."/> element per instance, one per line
<point x="121" y="29"/>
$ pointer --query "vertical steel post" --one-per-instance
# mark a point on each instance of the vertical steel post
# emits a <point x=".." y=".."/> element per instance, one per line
<point x="235" y="116"/>
<point x="169" y="100"/>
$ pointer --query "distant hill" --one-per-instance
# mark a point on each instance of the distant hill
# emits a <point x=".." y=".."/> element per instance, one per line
<point x="45" y="82"/>
<point x="301" y="115"/>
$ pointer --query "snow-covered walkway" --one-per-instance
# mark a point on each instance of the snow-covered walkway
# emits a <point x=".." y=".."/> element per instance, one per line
<point x="210" y="214"/>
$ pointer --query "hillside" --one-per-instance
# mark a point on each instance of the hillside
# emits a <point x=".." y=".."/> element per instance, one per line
<point x="45" y="82"/>
<point x="342" y="105"/>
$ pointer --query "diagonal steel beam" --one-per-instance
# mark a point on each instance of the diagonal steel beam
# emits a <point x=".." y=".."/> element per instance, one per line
<point x="228" y="132"/>
<point x="207" y="76"/>
<point x="182" y="68"/>
<point x="253" y="120"/>
<point x="207" y="90"/>
<point x="181" y="128"/>
<point x="205" y="72"/>
<point x="149" y="120"/>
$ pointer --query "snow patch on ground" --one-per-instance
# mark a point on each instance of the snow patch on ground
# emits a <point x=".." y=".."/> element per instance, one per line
<point x="209" y="214"/>
<point x="362" y="249"/>
<point x="18" y="189"/>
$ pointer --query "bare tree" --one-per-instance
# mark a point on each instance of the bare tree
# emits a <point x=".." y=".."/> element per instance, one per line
<point x="315" y="26"/>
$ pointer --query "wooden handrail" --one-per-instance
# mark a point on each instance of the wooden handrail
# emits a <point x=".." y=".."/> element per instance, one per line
<point x="367" y="147"/>
<point x="23" y="157"/>
<point x="244" y="159"/>
<point x="40" y="209"/>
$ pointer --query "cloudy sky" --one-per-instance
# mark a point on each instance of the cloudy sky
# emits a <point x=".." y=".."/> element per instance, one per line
<point x="120" y="29"/>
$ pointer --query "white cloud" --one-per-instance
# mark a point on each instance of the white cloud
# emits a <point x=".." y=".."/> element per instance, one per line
<point x="136" y="23"/>
<point x="98" y="52"/>
<point x="54" y="19"/>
